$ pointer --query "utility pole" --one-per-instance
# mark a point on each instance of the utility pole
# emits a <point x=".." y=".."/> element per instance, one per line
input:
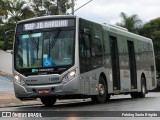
<point x="72" y="7"/>
<point x="59" y="6"/>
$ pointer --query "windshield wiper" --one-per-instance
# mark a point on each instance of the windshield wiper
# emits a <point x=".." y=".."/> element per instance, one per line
<point x="34" y="43"/>
<point x="54" y="39"/>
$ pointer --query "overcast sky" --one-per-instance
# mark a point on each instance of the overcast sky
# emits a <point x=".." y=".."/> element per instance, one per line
<point x="108" y="11"/>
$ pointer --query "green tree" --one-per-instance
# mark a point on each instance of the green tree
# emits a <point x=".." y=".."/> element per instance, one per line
<point x="18" y="10"/>
<point x="152" y="30"/>
<point x="50" y="7"/>
<point x="3" y="15"/>
<point x="11" y="12"/>
<point x="44" y="7"/>
<point x="3" y="11"/>
<point x="132" y="23"/>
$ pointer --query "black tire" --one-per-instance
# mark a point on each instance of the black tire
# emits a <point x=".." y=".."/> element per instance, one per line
<point x="103" y="92"/>
<point x="134" y="94"/>
<point x="48" y="101"/>
<point x="143" y="92"/>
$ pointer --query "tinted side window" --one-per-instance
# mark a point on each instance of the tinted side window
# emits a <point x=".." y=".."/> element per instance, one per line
<point x="97" y="49"/>
<point x="97" y="44"/>
<point x="84" y="52"/>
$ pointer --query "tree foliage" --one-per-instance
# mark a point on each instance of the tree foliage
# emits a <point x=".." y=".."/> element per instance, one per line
<point x="152" y="30"/>
<point x="13" y="11"/>
<point x="44" y="7"/>
<point x="18" y="10"/>
<point x="132" y="23"/>
<point x="3" y="11"/>
<point x="50" y="7"/>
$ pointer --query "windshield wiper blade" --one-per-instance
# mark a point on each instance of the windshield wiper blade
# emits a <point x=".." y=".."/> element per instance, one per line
<point x="53" y="41"/>
<point x="34" y="43"/>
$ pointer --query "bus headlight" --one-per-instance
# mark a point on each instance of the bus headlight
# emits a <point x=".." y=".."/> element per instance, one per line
<point x="19" y="80"/>
<point x="72" y="74"/>
<point x="69" y="76"/>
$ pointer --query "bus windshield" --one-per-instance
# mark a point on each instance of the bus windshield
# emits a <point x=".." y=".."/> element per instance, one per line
<point x="44" y="49"/>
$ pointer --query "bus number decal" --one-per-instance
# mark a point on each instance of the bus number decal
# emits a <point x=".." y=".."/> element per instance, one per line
<point x="54" y="79"/>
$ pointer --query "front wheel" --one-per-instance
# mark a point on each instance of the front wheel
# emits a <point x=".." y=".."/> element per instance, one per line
<point x="48" y="101"/>
<point x="103" y="94"/>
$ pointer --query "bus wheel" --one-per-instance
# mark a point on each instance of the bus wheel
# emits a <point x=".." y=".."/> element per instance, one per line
<point x="134" y="94"/>
<point x="143" y="92"/>
<point x="102" y="97"/>
<point x="48" y="101"/>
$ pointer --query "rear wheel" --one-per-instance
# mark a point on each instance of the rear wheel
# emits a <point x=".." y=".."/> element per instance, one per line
<point x="134" y="94"/>
<point x="48" y="101"/>
<point x="143" y="92"/>
<point x="103" y="94"/>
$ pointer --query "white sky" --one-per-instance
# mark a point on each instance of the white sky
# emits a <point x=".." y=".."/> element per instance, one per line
<point x="108" y="11"/>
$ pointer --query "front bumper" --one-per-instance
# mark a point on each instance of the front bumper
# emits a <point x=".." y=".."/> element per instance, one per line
<point x="30" y="91"/>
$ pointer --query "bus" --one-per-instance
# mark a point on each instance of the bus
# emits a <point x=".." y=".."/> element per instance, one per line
<point x="63" y="57"/>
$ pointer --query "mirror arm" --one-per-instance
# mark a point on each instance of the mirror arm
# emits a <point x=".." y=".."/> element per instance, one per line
<point x="9" y="31"/>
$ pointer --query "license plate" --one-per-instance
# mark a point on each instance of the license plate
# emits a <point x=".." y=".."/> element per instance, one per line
<point x="43" y="91"/>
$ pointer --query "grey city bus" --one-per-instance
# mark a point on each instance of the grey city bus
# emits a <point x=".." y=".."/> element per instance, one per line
<point x="59" y="57"/>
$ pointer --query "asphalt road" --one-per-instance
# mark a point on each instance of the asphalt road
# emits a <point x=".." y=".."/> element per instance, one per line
<point x="85" y="109"/>
<point x="78" y="110"/>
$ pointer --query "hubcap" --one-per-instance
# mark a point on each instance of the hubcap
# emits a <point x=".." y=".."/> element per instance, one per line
<point x="101" y="89"/>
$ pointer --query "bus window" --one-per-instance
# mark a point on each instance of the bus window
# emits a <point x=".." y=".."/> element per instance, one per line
<point x="85" y="45"/>
<point x="85" y="52"/>
<point x="97" y="50"/>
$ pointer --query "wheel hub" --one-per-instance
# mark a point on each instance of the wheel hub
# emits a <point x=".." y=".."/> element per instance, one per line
<point x="101" y="89"/>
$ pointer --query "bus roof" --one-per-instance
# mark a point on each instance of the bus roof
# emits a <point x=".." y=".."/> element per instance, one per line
<point x="46" y="17"/>
<point x="125" y="32"/>
<point x="107" y="27"/>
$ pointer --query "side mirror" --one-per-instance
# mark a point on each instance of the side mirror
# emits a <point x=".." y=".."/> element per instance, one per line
<point x="6" y="39"/>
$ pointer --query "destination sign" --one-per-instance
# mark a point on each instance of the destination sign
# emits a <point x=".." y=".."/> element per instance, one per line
<point x="45" y="24"/>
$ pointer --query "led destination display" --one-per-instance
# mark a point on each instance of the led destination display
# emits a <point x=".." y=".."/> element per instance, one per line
<point x="44" y="24"/>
